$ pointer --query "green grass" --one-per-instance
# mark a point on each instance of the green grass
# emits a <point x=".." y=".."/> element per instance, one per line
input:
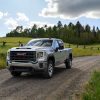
<point x="80" y="51"/>
<point x="92" y="89"/>
<point x="13" y="39"/>
<point x="14" y="42"/>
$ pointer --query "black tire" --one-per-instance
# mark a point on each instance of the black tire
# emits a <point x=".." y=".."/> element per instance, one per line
<point x="15" y="74"/>
<point x="48" y="72"/>
<point x="68" y="64"/>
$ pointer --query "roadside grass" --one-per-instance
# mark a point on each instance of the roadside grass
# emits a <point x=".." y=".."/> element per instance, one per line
<point x="79" y="52"/>
<point x="87" y="51"/>
<point x="2" y="63"/>
<point x="92" y="89"/>
<point x="14" y="42"/>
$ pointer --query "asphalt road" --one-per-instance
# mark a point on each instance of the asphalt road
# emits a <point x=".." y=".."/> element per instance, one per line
<point x="62" y="86"/>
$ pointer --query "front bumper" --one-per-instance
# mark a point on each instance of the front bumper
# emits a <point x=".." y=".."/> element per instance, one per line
<point x="24" y="67"/>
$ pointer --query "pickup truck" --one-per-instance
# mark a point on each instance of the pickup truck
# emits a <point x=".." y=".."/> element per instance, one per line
<point x="40" y="54"/>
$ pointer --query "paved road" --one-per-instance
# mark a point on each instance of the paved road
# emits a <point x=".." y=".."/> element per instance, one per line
<point x="60" y="87"/>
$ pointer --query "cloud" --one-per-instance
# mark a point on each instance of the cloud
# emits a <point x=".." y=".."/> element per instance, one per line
<point x="22" y="17"/>
<point x="11" y="23"/>
<point x="22" y="20"/>
<point x="67" y="9"/>
<point x="2" y="14"/>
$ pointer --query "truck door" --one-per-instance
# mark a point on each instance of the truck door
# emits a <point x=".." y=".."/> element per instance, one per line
<point x="62" y="53"/>
<point x="57" y="53"/>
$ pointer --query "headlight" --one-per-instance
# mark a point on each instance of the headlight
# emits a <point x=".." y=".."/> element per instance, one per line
<point x="40" y="55"/>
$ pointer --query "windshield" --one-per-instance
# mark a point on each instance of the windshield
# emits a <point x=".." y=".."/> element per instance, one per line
<point x="40" y="43"/>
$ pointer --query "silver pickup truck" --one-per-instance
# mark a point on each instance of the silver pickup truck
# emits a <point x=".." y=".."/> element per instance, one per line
<point x="42" y="54"/>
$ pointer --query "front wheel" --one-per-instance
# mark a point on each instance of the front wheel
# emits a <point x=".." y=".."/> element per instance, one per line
<point x="48" y="73"/>
<point x="15" y="74"/>
<point x="68" y="64"/>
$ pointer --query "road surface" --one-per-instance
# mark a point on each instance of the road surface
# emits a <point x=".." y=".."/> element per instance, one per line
<point x="62" y="86"/>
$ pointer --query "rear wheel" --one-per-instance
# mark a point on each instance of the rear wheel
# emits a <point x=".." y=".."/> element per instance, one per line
<point x="48" y="73"/>
<point x="15" y="74"/>
<point x="68" y="64"/>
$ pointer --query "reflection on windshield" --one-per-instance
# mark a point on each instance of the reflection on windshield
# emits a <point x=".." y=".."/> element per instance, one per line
<point x="40" y="43"/>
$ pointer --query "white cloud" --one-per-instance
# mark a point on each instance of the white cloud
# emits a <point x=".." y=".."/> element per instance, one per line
<point x="67" y="9"/>
<point x="22" y="17"/>
<point x="5" y="14"/>
<point x="2" y="14"/>
<point x="11" y="23"/>
<point x="22" y="20"/>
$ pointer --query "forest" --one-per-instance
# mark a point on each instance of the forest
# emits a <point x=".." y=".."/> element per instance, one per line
<point x="71" y="33"/>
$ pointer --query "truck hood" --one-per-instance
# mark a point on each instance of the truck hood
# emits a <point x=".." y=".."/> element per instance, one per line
<point x="31" y="48"/>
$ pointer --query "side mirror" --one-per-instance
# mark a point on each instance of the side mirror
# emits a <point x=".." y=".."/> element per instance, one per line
<point x="56" y="50"/>
<point x="61" y="46"/>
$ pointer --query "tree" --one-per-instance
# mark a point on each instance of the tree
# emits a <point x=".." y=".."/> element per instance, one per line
<point x="94" y="31"/>
<point x="79" y="28"/>
<point x="19" y="29"/>
<point x="59" y="25"/>
<point x="87" y="28"/>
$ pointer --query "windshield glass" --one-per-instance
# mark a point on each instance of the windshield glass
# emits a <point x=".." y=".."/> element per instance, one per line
<point x="40" y="43"/>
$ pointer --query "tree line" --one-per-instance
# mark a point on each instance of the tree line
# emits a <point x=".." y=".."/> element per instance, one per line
<point x="71" y="33"/>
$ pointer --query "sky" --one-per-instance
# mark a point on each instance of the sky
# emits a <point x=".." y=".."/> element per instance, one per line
<point x="26" y="13"/>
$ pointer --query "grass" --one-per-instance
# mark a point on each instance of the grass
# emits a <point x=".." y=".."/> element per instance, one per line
<point x="87" y="51"/>
<point x="14" y="42"/>
<point x="13" y="39"/>
<point x="92" y="89"/>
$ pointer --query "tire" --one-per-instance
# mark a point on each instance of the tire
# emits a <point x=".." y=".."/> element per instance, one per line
<point x="48" y="72"/>
<point x="68" y="64"/>
<point x="15" y="74"/>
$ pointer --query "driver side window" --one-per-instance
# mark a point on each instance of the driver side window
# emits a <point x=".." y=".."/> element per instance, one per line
<point x="56" y="45"/>
<point x="61" y="44"/>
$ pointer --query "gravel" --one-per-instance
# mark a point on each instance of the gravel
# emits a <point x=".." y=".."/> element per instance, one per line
<point x="66" y="84"/>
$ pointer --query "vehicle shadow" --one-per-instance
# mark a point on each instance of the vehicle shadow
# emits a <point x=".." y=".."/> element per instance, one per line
<point x="35" y="77"/>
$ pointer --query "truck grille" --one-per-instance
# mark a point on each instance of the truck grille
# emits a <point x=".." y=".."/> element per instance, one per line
<point x="23" y="56"/>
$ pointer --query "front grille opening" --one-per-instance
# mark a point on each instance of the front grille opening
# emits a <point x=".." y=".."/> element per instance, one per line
<point x="23" y="56"/>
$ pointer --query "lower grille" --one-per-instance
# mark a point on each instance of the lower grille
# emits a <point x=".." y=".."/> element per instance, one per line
<point x="21" y="69"/>
<point x="21" y="56"/>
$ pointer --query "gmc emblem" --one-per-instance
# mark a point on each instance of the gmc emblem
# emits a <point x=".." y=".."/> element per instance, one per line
<point x="21" y="54"/>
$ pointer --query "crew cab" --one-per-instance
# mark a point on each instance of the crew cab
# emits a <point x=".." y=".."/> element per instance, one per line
<point x="41" y="54"/>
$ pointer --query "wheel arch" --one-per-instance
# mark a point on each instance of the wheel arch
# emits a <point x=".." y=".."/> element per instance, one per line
<point x="71" y="56"/>
<point x="51" y="57"/>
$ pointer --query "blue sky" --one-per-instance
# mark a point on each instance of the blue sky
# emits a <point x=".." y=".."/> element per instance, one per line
<point x="41" y="12"/>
